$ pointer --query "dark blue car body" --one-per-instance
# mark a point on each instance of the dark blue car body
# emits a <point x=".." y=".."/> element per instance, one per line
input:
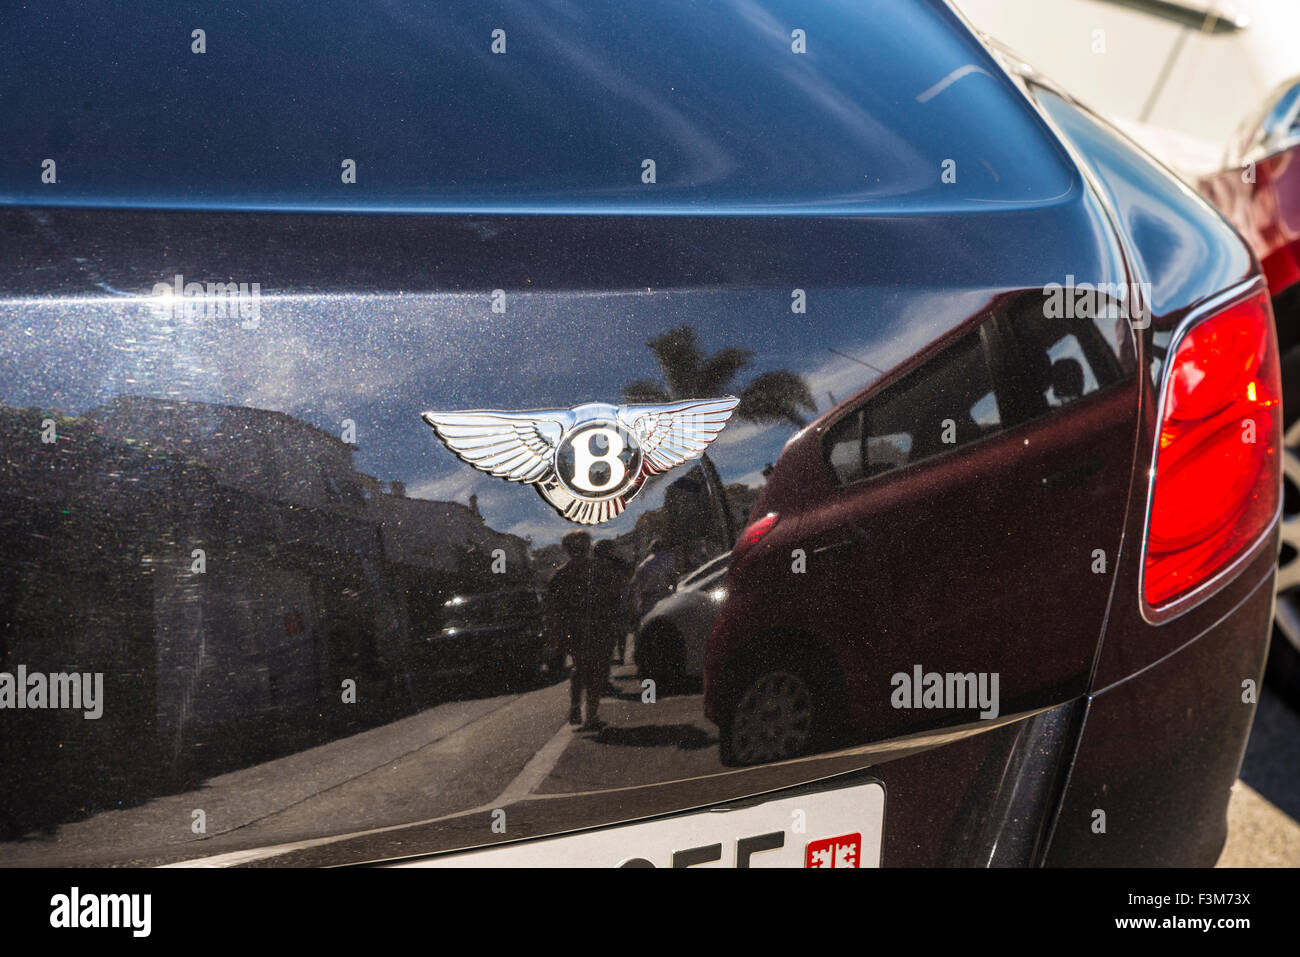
<point x="502" y="247"/>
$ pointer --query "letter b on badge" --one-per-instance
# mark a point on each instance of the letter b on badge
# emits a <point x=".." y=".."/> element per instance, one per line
<point x="584" y="458"/>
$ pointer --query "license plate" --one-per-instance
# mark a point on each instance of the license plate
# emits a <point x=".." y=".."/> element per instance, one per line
<point x="841" y="827"/>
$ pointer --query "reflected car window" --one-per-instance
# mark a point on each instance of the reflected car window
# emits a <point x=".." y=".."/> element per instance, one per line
<point x="844" y="449"/>
<point x="946" y="403"/>
<point x="1060" y="360"/>
<point x="1072" y="377"/>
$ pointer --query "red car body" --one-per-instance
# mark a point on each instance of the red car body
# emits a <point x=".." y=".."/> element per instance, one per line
<point x="1265" y="211"/>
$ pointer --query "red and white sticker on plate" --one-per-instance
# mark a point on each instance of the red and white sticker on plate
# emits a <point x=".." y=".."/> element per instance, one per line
<point x="835" y="828"/>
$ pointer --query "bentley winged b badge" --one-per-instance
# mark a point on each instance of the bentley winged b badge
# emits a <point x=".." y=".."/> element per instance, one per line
<point x="588" y="461"/>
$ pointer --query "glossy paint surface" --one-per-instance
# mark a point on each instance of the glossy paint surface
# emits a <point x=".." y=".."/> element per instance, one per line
<point x="309" y="683"/>
<point x="563" y="119"/>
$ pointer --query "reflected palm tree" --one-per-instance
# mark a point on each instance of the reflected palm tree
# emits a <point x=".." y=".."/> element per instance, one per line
<point x="777" y="396"/>
<point x="771" y="397"/>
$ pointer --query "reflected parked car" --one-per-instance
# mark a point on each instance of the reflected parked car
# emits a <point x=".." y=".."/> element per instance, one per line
<point x="670" y="638"/>
<point x="496" y="633"/>
<point x="962" y="509"/>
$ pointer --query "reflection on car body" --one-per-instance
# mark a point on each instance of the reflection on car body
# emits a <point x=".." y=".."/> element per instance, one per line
<point x="670" y="638"/>
<point x="499" y="631"/>
<point x="926" y="470"/>
<point x="1003" y="455"/>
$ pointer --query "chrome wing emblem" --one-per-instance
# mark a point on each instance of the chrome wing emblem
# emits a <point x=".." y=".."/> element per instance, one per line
<point x="589" y="461"/>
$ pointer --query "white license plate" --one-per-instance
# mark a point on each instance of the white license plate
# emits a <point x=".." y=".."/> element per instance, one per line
<point x="841" y="827"/>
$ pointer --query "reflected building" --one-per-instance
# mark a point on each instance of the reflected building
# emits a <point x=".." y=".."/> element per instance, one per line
<point x="238" y="571"/>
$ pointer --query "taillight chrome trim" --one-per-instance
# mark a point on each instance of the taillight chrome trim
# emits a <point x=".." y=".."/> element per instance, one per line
<point x="1212" y="585"/>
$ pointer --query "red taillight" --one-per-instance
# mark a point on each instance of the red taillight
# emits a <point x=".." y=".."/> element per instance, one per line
<point x="1217" y="472"/>
<point x="752" y="533"/>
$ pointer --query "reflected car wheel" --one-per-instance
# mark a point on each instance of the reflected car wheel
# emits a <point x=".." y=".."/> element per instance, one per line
<point x="1284" y="658"/>
<point x="774" y="718"/>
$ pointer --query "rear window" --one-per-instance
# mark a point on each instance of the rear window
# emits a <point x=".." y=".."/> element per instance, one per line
<point x="669" y="105"/>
